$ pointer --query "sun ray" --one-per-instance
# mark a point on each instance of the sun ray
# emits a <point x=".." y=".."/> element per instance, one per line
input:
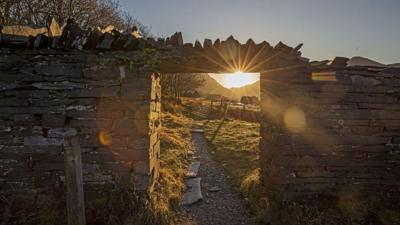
<point x="225" y="67"/>
<point x="243" y="68"/>
<point x="254" y="67"/>
<point x="254" y="58"/>
<point x="232" y="67"/>
<point x="237" y="79"/>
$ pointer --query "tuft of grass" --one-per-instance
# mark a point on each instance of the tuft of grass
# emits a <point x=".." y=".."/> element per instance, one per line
<point x="255" y="193"/>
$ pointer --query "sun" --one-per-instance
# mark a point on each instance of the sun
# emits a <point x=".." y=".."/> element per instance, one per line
<point x="237" y="79"/>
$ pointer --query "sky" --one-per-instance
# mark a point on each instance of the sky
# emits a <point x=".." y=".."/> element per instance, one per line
<point x="328" y="28"/>
<point x="237" y="79"/>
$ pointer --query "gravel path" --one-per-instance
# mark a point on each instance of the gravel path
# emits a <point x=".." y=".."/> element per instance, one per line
<point x="220" y="204"/>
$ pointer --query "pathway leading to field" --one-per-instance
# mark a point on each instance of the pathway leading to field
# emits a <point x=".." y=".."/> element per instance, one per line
<point x="220" y="205"/>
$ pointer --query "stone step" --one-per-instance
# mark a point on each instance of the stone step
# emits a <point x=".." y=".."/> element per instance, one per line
<point x="193" y="169"/>
<point x="193" y="193"/>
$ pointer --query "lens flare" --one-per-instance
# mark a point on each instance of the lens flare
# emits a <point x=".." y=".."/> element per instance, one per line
<point x="104" y="138"/>
<point x="294" y="119"/>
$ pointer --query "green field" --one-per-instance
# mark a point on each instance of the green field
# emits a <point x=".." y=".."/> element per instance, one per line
<point x="235" y="145"/>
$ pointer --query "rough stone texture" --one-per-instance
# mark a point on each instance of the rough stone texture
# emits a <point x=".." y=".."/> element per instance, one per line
<point x="331" y="130"/>
<point x="193" y="168"/>
<point x="327" y="129"/>
<point x="193" y="193"/>
<point x="48" y="95"/>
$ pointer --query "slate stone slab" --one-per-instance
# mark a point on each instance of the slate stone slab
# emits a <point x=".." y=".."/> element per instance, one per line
<point x="196" y="130"/>
<point x="62" y="132"/>
<point x="214" y="189"/>
<point x="193" y="193"/>
<point x="193" y="169"/>
<point x="42" y="141"/>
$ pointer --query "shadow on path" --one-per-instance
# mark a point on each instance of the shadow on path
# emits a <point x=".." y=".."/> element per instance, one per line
<point x="221" y="205"/>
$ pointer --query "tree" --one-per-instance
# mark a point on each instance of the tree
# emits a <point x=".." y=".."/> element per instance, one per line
<point x="173" y="85"/>
<point x="87" y="13"/>
<point x="249" y="100"/>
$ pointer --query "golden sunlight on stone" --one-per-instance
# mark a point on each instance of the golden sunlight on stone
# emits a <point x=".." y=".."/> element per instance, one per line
<point x="294" y="119"/>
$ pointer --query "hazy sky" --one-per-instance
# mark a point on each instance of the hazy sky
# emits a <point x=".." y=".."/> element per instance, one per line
<point x="328" y="28"/>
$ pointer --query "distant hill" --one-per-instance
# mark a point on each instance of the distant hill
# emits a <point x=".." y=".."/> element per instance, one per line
<point x="397" y="65"/>
<point x="211" y="86"/>
<point x="247" y="90"/>
<point x="361" y="61"/>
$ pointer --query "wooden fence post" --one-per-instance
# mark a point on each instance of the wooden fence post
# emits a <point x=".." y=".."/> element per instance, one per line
<point x="73" y="177"/>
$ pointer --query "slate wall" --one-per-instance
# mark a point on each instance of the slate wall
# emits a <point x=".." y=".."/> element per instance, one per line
<point x="325" y="129"/>
<point x="331" y="130"/>
<point x="49" y="95"/>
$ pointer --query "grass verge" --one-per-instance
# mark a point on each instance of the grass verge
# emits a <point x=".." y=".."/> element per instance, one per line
<point x="175" y="142"/>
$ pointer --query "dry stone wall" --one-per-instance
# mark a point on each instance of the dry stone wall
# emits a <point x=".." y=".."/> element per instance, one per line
<point x="331" y="130"/>
<point x="326" y="129"/>
<point x="49" y="95"/>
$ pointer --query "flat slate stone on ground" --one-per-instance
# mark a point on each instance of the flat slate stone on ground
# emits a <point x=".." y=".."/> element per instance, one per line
<point x="221" y="204"/>
<point x="193" y="193"/>
<point x="214" y="189"/>
<point x="193" y="169"/>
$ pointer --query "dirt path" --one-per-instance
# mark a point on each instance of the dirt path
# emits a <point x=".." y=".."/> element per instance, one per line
<point x="220" y="204"/>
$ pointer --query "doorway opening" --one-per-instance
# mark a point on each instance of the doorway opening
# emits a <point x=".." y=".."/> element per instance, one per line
<point x="222" y="109"/>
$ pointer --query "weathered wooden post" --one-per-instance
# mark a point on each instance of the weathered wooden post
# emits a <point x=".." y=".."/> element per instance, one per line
<point x="73" y="177"/>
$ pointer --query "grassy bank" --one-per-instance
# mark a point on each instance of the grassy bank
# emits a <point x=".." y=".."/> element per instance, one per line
<point x="175" y="142"/>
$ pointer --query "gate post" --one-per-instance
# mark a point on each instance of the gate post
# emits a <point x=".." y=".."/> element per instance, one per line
<point x="74" y="183"/>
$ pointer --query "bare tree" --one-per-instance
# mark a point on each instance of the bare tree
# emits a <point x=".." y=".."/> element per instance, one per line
<point x="173" y="85"/>
<point x="87" y="13"/>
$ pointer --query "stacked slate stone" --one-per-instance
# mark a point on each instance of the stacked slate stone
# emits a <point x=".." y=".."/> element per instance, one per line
<point x="48" y="95"/>
<point x="228" y="56"/>
<point x="347" y="141"/>
<point x="72" y="36"/>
